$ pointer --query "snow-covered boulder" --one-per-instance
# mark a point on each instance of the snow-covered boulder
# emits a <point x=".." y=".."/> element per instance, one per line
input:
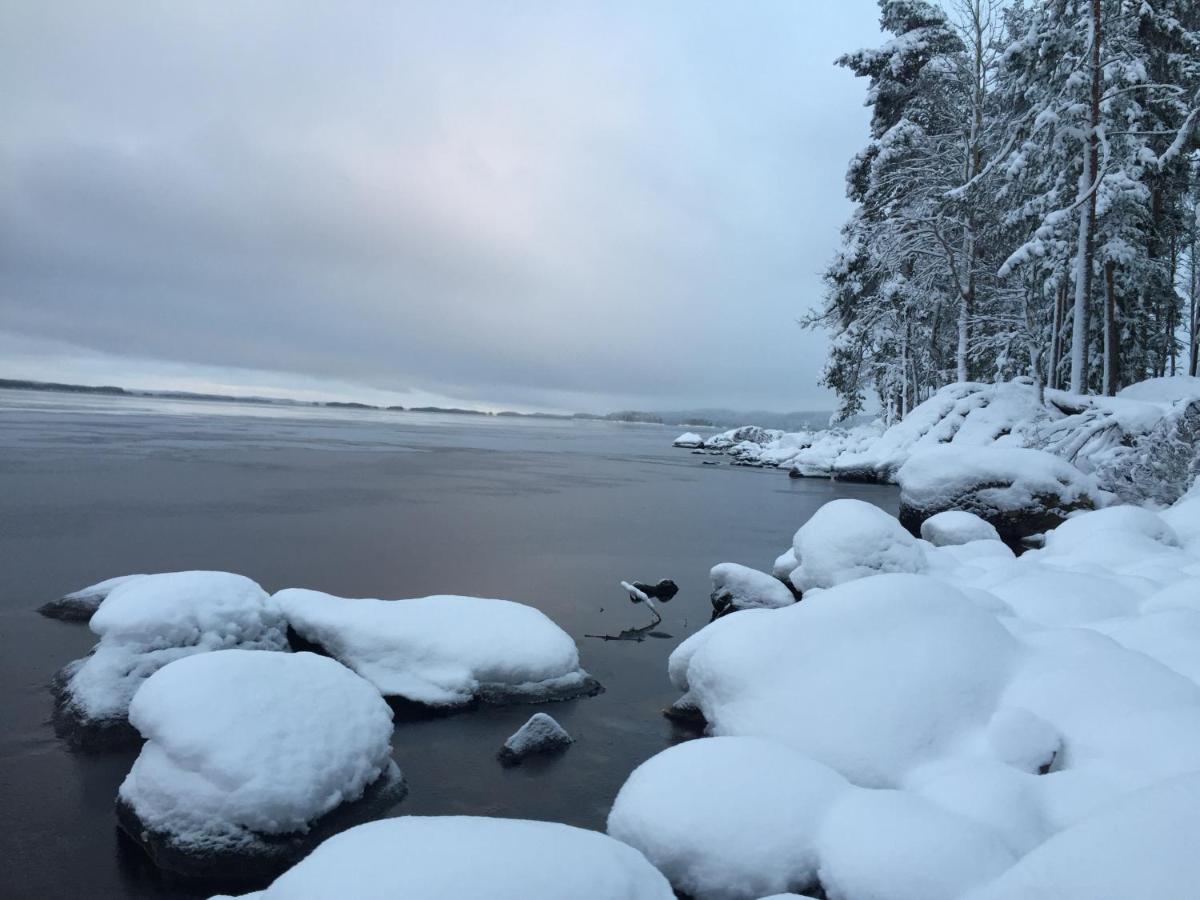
<point x="689" y="439"/>
<point x="785" y="564"/>
<point x="464" y="856"/>
<point x="541" y="734"/>
<point x="1021" y="492"/>
<point x="848" y="539"/>
<point x="917" y="662"/>
<point x="443" y="651"/>
<point x="728" y="817"/>
<point x="740" y="587"/>
<point x="746" y="433"/>
<point x="247" y="753"/>
<point x="954" y="527"/>
<point x="79" y="606"/>
<point x="147" y="622"/>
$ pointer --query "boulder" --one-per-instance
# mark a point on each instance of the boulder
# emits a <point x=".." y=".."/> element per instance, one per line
<point x="80" y="605"/>
<point x="954" y="527"/>
<point x="738" y="587"/>
<point x="1019" y="491"/>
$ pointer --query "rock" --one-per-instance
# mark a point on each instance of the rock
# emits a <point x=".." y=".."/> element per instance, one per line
<point x="251" y="759"/>
<point x="954" y="527"/>
<point x="145" y="623"/>
<point x="689" y="439"/>
<point x="738" y="587"/>
<point x="1019" y="491"/>
<point x="664" y="590"/>
<point x="78" y="606"/>
<point x="541" y="734"/>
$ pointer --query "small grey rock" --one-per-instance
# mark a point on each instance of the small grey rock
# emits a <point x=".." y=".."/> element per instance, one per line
<point x="541" y="734"/>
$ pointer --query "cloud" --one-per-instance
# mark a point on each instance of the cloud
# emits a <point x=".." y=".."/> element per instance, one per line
<point x="564" y="204"/>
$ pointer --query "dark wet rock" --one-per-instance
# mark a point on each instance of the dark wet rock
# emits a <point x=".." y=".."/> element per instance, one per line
<point x="80" y="731"/>
<point x="685" y="712"/>
<point x="1017" y="527"/>
<point x="249" y="858"/>
<point x="541" y="734"/>
<point x="79" y="606"/>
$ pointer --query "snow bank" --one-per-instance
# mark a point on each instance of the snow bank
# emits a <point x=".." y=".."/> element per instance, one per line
<point x="740" y="587"/>
<point x="149" y="621"/>
<point x="443" y="650"/>
<point x="460" y="856"/>
<point x="848" y="539"/>
<point x="1169" y="390"/>
<point x="1003" y="727"/>
<point x="243" y="744"/>
<point x="953" y="527"/>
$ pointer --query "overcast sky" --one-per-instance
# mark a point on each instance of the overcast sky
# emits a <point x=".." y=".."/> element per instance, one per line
<point x="559" y="205"/>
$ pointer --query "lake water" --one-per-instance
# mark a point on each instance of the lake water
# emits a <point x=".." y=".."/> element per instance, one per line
<point x="359" y="503"/>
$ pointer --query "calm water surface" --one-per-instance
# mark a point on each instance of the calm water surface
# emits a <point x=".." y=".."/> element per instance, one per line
<point x="360" y="504"/>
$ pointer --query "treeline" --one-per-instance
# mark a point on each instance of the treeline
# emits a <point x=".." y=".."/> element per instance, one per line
<point x="1027" y="204"/>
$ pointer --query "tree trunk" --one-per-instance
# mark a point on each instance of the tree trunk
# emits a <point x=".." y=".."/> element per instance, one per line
<point x="1056" y="349"/>
<point x="1111" y="349"/>
<point x="1087" y="221"/>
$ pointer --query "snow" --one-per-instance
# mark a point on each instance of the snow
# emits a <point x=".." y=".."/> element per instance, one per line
<point x="81" y="604"/>
<point x="1002" y="479"/>
<point x="539" y="735"/>
<point x="1170" y="389"/>
<point x="954" y="527"/>
<point x="241" y="741"/>
<point x="442" y="650"/>
<point x="847" y="539"/>
<point x="151" y="620"/>
<point x="997" y="727"/>
<point x="727" y="817"/>
<point x="689" y="439"/>
<point x="461" y="856"/>
<point x="738" y="587"/>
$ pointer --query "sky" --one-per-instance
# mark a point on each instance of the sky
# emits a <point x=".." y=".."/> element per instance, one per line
<point x="532" y="205"/>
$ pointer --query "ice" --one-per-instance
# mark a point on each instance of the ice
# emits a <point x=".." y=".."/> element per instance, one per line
<point x="954" y="527"/>
<point x="443" y="650"/>
<point x="455" y="857"/>
<point x="149" y="621"/>
<point x="737" y="587"/>
<point x="541" y="734"/>
<point x="848" y="539"/>
<point x="247" y="743"/>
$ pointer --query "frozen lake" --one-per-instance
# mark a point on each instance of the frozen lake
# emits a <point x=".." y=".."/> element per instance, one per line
<point x="359" y="503"/>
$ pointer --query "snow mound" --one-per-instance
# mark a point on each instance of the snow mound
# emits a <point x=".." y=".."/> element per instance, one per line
<point x="738" y="587"/>
<point x="78" y="606"/>
<point x="152" y="620"/>
<point x="242" y="744"/>
<point x="443" y="650"/>
<point x="541" y="734"/>
<point x="849" y="539"/>
<point x="727" y="817"/>
<point x="689" y="439"/>
<point x="954" y="527"/>
<point x="460" y="856"/>
<point x="1169" y="389"/>
<point x="916" y="661"/>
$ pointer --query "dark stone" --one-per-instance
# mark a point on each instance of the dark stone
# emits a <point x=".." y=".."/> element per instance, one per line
<point x="260" y="858"/>
<point x="1015" y="527"/>
<point x="80" y="732"/>
<point x="664" y="590"/>
<point x="541" y="734"/>
<point x="72" y="608"/>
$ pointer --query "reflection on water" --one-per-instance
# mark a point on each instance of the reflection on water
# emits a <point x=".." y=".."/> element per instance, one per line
<point x="359" y="503"/>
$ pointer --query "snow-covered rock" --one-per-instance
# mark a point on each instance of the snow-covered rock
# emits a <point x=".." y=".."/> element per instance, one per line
<point x="443" y="651"/>
<point x="1019" y="491"/>
<point x="462" y="856"/>
<point x="738" y="587"/>
<point x="541" y="734"/>
<point x="848" y="539"/>
<point x="785" y="564"/>
<point x="147" y="622"/>
<point x="78" y="606"/>
<point x="245" y="752"/>
<point x="746" y="433"/>
<point x="1002" y="727"/>
<point x="954" y="527"/>
<point x="689" y="439"/>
